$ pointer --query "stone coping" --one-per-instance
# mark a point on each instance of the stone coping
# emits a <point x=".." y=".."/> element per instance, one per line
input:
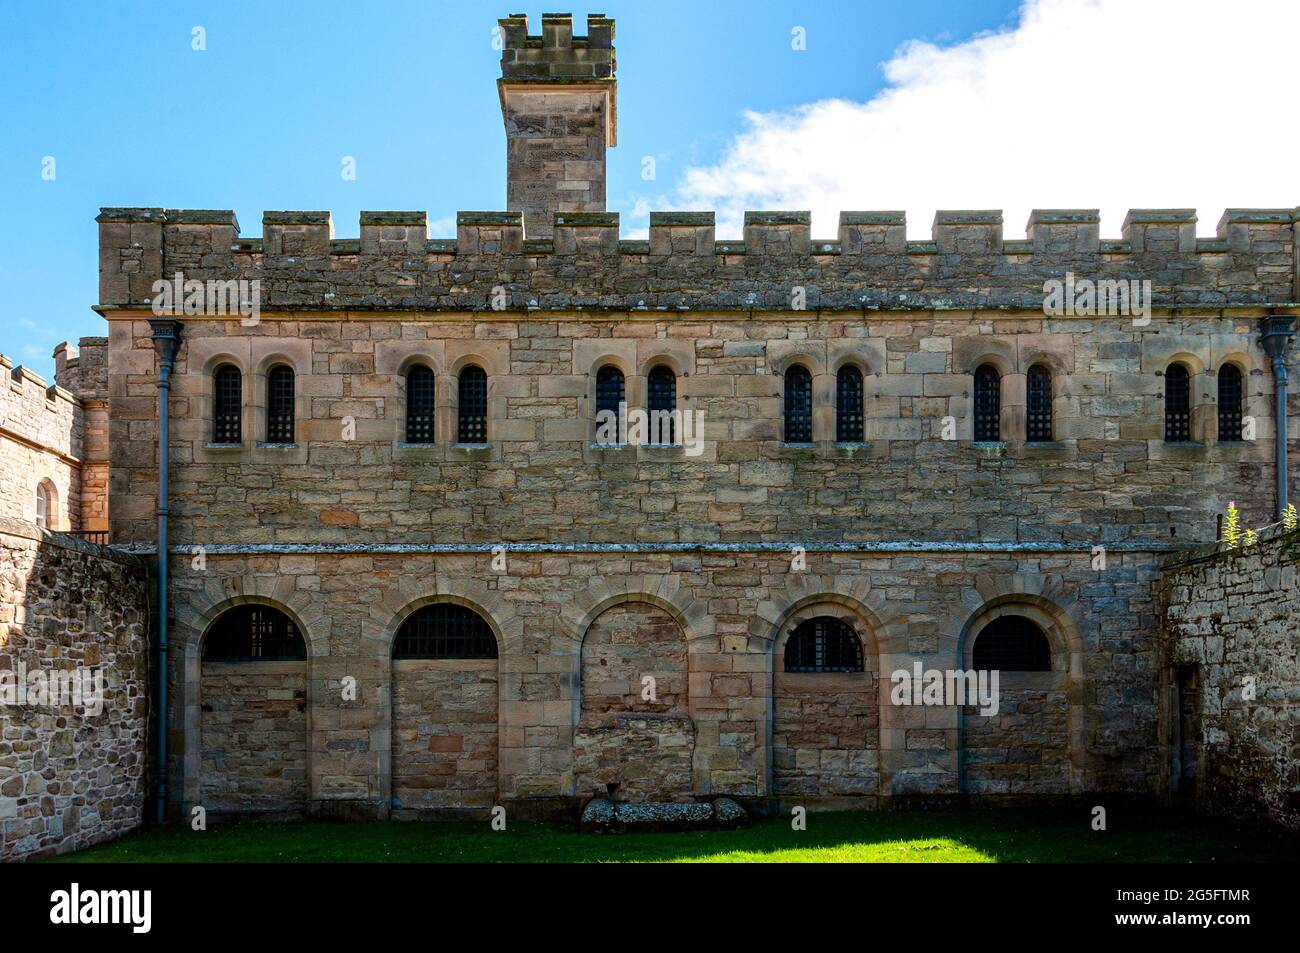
<point x="33" y="533"/>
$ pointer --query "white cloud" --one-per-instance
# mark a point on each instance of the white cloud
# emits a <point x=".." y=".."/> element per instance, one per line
<point x="1110" y="104"/>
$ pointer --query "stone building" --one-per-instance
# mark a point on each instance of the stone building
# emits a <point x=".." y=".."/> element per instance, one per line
<point x="410" y="576"/>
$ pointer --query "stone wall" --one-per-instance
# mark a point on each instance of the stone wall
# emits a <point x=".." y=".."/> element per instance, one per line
<point x="444" y="735"/>
<point x="253" y="733"/>
<point x="71" y="777"/>
<point x="41" y="441"/>
<point x="1232" y="620"/>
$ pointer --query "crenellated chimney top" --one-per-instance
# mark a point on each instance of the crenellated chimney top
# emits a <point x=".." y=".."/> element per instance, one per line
<point x="559" y="103"/>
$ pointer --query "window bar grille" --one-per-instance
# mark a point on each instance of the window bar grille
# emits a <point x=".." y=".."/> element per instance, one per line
<point x="798" y="405"/>
<point x="473" y="406"/>
<point x="419" y="405"/>
<point x="848" y="406"/>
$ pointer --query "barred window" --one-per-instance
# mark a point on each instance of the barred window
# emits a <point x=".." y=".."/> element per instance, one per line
<point x="988" y="403"/>
<point x="823" y="644"/>
<point x="848" y="405"/>
<point x="798" y="405"/>
<point x="1012" y="643"/>
<point x="419" y="404"/>
<point x="609" y="389"/>
<point x="1178" y="416"/>
<point x="1229" y="404"/>
<point x="279" y="404"/>
<point x="445" y="630"/>
<point x="228" y="393"/>
<point x="473" y="406"/>
<point x="662" y="398"/>
<point x="1038" y="417"/>
<point x="254" y="633"/>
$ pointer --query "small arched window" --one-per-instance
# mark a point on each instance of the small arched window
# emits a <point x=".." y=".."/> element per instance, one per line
<point x="419" y="404"/>
<point x="445" y="630"/>
<point x="228" y="394"/>
<point x="798" y="404"/>
<point x="824" y="644"/>
<point x="988" y="404"/>
<point x="1012" y="643"/>
<point x="848" y="405"/>
<point x="1230" y="409"/>
<point x="253" y="633"/>
<point x="609" y="389"/>
<point x="279" y="404"/>
<point x="661" y="401"/>
<point x="44" y="509"/>
<point x="472" y="423"/>
<point x="1038" y="398"/>
<point x="1178" y="411"/>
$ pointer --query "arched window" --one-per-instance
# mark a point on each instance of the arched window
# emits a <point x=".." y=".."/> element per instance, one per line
<point x="988" y="404"/>
<point x="848" y="405"/>
<point x="444" y="630"/>
<point x="419" y="404"/>
<point x="472" y="425"/>
<point x="661" y="401"/>
<point x="1012" y="643"/>
<point x="823" y="644"/>
<point x="1178" y="397"/>
<point x="1038" y="398"/>
<point x="279" y="404"/>
<point x="228" y="404"/>
<point x="798" y="405"/>
<point x="253" y="633"/>
<point x="44" y="511"/>
<point x="609" y="389"/>
<point x="1229" y="404"/>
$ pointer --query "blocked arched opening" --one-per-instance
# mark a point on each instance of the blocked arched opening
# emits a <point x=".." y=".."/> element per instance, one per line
<point x="445" y="684"/>
<point x="253" y="713"/>
<point x="825" y="705"/>
<point x="1027" y="745"/>
<point x="635" y="737"/>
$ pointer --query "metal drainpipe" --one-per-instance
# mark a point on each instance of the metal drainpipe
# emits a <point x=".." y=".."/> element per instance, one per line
<point x="167" y="341"/>
<point x="1276" y="331"/>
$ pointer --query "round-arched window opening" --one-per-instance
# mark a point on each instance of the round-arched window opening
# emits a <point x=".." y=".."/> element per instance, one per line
<point x="1012" y="643"/>
<point x="823" y="644"/>
<point x="254" y="634"/>
<point x="45" y="509"/>
<point x="445" y="631"/>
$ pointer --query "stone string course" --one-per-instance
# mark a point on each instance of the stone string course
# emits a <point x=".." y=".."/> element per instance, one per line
<point x="68" y="779"/>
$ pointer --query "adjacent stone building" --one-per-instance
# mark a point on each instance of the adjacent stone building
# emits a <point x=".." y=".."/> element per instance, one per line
<point x="411" y="576"/>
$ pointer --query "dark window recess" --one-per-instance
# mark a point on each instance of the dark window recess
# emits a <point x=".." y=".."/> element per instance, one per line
<point x="1229" y="404"/>
<point x="1038" y="413"/>
<point x="662" y="397"/>
<point x="823" y="645"/>
<point x="988" y="404"/>
<point x="445" y="630"/>
<point x="473" y="406"/>
<point x="798" y="405"/>
<point x="228" y="390"/>
<point x="1012" y="643"/>
<point x="848" y="405"/>
<point x="279" y="405"/>
<point x="419" y="405"/>
<point x="254" y="634"/>
<point x="1178" y="416"/>
<point x="609" y="389"/>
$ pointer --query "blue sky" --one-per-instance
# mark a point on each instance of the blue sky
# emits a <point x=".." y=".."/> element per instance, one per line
<point x="262" y="118"/>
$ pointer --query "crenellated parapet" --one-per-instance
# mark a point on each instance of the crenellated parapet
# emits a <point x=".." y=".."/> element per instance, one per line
<point x="494" y="263"/>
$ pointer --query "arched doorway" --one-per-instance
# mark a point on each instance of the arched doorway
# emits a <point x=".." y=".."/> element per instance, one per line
<point x="635" y="736"/>
<point x="253" y="713"/>
<point x="445" y="690"/>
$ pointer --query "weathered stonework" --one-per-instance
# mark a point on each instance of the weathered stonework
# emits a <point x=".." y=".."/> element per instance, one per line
<point x="1232" y="620"/>
<point x="70" y="777"/>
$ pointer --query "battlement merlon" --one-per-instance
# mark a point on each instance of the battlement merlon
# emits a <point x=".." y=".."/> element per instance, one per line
<point x="583" y="264"/>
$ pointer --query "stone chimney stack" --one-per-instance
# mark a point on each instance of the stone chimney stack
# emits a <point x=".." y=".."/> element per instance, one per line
<point x="558" y="99"/>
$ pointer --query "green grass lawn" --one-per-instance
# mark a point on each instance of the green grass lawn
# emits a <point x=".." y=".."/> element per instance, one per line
<point x="893" y="837"/>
